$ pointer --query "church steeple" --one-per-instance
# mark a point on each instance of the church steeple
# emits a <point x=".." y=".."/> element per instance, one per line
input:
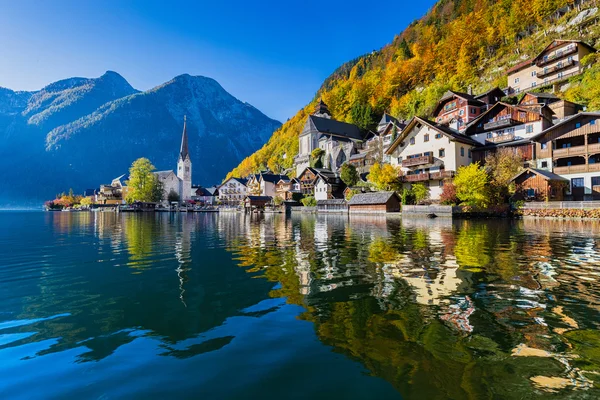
<point x="321" y="110"/>
<point x="184" y="152"/>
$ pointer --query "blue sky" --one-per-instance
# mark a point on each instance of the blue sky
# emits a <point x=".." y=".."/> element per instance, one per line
<point x="272" y="54"/>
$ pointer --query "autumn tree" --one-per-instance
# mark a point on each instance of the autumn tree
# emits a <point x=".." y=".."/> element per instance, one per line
<point x="384" y="177"/>
<point x="502" y="166"/>
<point x="143" y="184"/>
<point x="420" y="192"/>
<point x="349" y="175"/>
<point x="471" y="183"/>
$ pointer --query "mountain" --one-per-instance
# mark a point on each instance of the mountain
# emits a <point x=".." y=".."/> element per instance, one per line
<point x="79" y="133"/>
<point x="457" y="45"/>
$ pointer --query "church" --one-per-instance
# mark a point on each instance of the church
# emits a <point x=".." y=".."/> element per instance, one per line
<point x="180" y="182"/>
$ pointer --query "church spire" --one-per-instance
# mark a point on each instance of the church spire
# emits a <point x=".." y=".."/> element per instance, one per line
<point x="321" y="109"/>
<point x="184" y="153"/>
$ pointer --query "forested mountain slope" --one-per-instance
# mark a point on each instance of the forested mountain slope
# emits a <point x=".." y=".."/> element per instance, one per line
<point x="457" y="44"/>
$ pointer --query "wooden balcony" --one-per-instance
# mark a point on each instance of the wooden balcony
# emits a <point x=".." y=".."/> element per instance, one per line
<point x="442" y="175"/>
<point x="503" y="123"/>
<point x="593" y="148"/>
<point x="558" y="55"/>
<point x="569" y="151"/>
<point x="416" y="177"/>
<point x="594" y="167"/>
<point x="555" y="69"/>
<point x="413" y="162"/>
<point x="573" y="169"/>
<point x="502" y="138"/>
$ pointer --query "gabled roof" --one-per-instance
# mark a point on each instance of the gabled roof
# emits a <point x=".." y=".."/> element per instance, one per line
<point x="495" y="90"/>
<point x="203" y="192"/>
<point x="450" y="94"/>
<point x="243" y="181"/>
<point x="541" y="95"/>
<point x="333" y="127"/>
<point x="331" y="202"/>
<point x="547" y="175"/>
<point x="164" y="174"/>
<point x="272" y="178"/>
<point x="450" y="133"/>
<point x="499" y="104"/>
<point x="372" y="198"/>
<point x="559" y="42"/>
<point x="565" y="121"/>
<point x="386" y="119"/>
<point x="520" y="66"/>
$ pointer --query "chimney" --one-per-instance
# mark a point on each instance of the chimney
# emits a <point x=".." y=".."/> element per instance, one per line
<point x="470" y="90"/>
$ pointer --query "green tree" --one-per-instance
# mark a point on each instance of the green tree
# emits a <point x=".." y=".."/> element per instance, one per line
<point x="173" y="196"/>
<point x="309" y="201"/>
<point x="348" y="174"/>
<point x="143" y="184"/>
<point x="316" y="158"/>
<point x="471" y="184"/>
<point x="384" y="177"/>
<point x="404" y="50"/>
<point x="420" y="192"/>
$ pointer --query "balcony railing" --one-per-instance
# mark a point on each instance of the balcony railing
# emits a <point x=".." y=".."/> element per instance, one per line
<point x="412" y="162"/>
<point x="569" y="151"/>
<point x="558" y="55"/>
<point x="501" y="123"/>
<point x="556" y="68"/>
<point x="416" y="177"/>
<point x="572" y="169"/>
<point x="442" y="175"/>
<point x="502" y="138"/>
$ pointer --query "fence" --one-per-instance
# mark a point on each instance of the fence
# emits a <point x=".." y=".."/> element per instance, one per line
<point x="440" y="211"/>
<point x="570" y="205"/>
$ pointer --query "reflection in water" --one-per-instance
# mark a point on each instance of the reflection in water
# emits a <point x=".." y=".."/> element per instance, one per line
<point x="435" y="308"/>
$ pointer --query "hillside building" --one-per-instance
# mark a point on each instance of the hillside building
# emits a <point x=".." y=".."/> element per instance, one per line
<point x="456" y="110"/>
<point x="233" y="191"/>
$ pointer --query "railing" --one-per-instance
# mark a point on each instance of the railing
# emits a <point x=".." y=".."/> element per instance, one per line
<point x="594" y="167"/>
<point x="502" y="138"/>
<point x="411" y="162"/>
<point x="594" y="147"/>
<point x="556" y="68"/>
<point x="442" y="175"/>
<point x="569" y="151"/>
<point x="558" y="55"/>
<point x="500" y="123"/>
<point x="553" y="205"/>
<point x="572" y="169"/>
<point x="416" y="177"/>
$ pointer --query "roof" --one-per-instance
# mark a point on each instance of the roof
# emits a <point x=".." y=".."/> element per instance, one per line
<point x="203" y="192"/>
<point x="183" y="152"/>
<point x="212" y="190"/>
<point x="357" y="156"/>
<point x="451" y="94"/>
<point x="372" y="198"/>
<point x="496" y="89"/>
<point x="386" y="119"/>
<point x="450" y="133"/>
<point x="559" y="42"/>
<point x="566" y="120"/>
<point x="325" y="173"/>
<point x="331" y="202"/>
<point x="243" y="181"/>
<point x="163" y="174"/>
<point x="542" y="95"/>
<point x="520" y="66"/>
<point x="333" y="127"/>
<point x="501" y="104"/>
<point x="273" y="178"/>
<point x="259" y="198"/>
<point x="547" y="175"/>
<point x="322" y="108"/>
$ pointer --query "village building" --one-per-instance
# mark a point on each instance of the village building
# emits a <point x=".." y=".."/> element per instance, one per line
<point x="180" y="182"/>
<point x="560" y="60"/>
<point x="375" y="203"/>
<point x="286" y="188"/>
<point x="328" y="187"/>
<point x="490" y="97"/>
<point x="264" y="184"/>
<point x="206" y="196"/>
<point x="430" y="153"/>
<point x="571" y="149"/>
<point x="339" y="140"/>
<point x="257" y="202"/>
<point x="112" y="194"/>
<point x="539" y="185"/>
<point x="308" y="179"/>
<point x="456" y="109"/>
<point x="332" y="206"/>
<point x="233" y="191"/>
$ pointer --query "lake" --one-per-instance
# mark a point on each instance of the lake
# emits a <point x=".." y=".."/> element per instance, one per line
<point x="100" y="305"/>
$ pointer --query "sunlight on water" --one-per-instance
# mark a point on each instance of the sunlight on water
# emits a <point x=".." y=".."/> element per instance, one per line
<point x="232" y="306"/>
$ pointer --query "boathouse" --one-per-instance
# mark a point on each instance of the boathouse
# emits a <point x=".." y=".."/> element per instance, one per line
<point x="257" y="202"/>
<point x="539" y="185"/>
<point x="332" y="206"/>
<point x="374" y="202"/>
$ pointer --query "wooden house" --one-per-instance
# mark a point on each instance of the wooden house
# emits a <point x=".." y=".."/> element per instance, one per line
<point x="257" y="202"/>
<point x="456" y="110"/>
<point x="308" y="179"/>
<point x="374" y="202"/>
<point x="539" y="185"/>
<point x="490" y="97"/>
<point x="332" y="206"/>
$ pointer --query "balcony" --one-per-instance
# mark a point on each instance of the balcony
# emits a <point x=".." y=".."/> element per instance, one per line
<point x="502" y="138"/>
<point x="442" y="175"/>
<point x="558" y="55"/>
<point x="550" y="71"/>
<point x="416" y="177"/>
<point x="593" y="148"/>
<point x="413" y="162"/>
<point x="573" y="169"/>
<point x="569" y="151"/>
<point x="503" y="123"/>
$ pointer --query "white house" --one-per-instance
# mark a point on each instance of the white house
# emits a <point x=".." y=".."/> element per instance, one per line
<point x="430" y="153"/>
<point x="233" y="191"/>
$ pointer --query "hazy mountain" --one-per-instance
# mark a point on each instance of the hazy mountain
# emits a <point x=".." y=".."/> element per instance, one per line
<point x="78" y="132"/>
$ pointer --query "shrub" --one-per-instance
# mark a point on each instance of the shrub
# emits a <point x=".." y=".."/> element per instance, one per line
<point x="407" y="197"/>
<point x="348" y="174"/>
<point x="472" y="183"/>
<point x="448" y="196"/>
<point x="309" y="201"/>
<point x="420" y="192"/>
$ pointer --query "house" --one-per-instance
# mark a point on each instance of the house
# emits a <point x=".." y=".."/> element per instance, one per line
<point x="377" y="143"/>
<point x="490" y="97"/>
<point x="339" y="140"/>
<point x="233" y="191"/>
<point x="456" y="109"/>
<point x="532" y="98"/>
<point x="308" y="179"/>
<point x="328" y="187"/>
<point x="208" y="196"/>
<point x="257" y="202"/>
<point x="571" y="149"/>
<point x="114" y="193"/>
<point x="287" y="188"/>
<point x="180" y="182"/>
<point x="559" y="60"/>
<point x="374" y="202"/>
<point x="430" y="153"/>
<point x="332" y="206"/>
<point x="539" y="185"/>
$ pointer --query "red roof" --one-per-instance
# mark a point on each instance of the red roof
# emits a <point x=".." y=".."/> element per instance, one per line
<point x="520" y="66"/>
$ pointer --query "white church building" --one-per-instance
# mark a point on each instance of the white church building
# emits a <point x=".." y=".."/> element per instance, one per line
<point x="180" y="182"/>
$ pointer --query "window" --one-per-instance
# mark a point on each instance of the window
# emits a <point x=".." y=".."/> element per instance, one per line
<point x="462" y="151"/>
<point x="412" y="140"/>
<point x="570" y="59"/>
<point x="533" y="84"/>
<point x="533" y="73"/>
<point x="516" y="80"/>
<point x="560" y="75"/>
<point x="441" y="153"/>
<point x="544" y="164"/>
<point x="461" y="112"/>
<point x="490" y="135"/>
<point x="544" y="146"/>
<point x="473" y="110"/>
<point x="469" y="153"/>
<point x="438" y="135"/>
<point x="546" y="71"/>
<point x="577" y="183"/>
<point x="441" y="183"/>
<point x="593" y="122"/>
<point x="595" y="180"/>
<point x="426" y="138"/>
<point x="546" y="81"/>
<point x="577" y="125"/>
<point x="529" y="129"/>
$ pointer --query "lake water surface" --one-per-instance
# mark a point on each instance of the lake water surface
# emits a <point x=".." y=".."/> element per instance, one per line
<point x="100" y="305"/>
